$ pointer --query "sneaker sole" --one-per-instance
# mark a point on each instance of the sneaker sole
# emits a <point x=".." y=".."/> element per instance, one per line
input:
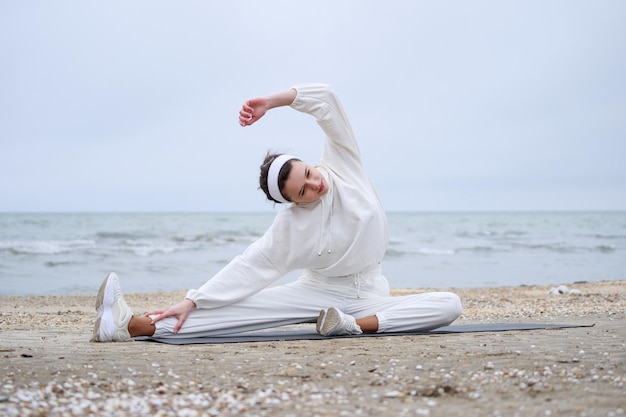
<point x="102" y="292"/>
<point x="104" y="302"/>
<point x="320" y="321"/>
<point x="331" y="320"/>
<point x="96" y="331"/>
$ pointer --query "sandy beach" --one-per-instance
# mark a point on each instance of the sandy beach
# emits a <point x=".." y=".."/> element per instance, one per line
<point x="49" y="367"/>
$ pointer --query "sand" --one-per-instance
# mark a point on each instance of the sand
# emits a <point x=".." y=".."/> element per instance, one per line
<point x="49" y="367"/>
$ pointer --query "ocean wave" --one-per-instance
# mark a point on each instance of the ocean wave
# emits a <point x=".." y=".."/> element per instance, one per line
<point x="396" y="253"/>
<point x="219" y="237"/>
<point x="510" y="247"/>
<point x="605" y="248"/>
<point x="435" y="251"/>
<point x="607" y="236"/>
<point x="193" y="238"/>
<point x="490" y="233"/>
<point x="52" y="264"/>
<point x="141" y="249"/>
<point x="46" y="247"/>
<point x="124" y="235"/>
<point x="35" y="222"/>
<point x="564" y="248"/>
<point x="481" y="249"/>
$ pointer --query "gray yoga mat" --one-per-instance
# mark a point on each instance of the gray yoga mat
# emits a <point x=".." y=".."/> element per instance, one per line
<point x="279" y="335"/>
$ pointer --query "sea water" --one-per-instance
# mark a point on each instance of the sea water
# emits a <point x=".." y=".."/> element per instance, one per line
<point x="71" y="253"/>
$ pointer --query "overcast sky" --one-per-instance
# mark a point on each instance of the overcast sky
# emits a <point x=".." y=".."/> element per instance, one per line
<point x="481" y="105"/>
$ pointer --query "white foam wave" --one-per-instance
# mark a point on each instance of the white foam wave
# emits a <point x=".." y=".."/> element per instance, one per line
<point x="435" y="251"/>
<point x="46" y="247"/>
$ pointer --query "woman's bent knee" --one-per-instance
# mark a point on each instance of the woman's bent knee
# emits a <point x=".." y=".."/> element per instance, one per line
<point x="454" y="306"/>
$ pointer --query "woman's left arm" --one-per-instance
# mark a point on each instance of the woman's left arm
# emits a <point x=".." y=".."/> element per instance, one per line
<point x="255" y="108"/>
<point x="320" y="101"/>
<point x="180" y="311"/>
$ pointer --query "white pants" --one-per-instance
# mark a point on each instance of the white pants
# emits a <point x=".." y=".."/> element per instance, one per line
<point x="360" y="295"/>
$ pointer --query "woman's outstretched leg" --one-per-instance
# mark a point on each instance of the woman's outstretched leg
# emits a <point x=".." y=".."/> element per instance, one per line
<point x="272" y="307"/>
<point x="281" y="305"/>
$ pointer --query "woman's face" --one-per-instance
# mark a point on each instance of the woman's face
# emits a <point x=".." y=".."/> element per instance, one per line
<point x="305" y="184"/>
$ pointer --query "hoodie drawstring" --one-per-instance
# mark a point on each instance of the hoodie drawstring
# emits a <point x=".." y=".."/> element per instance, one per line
<point x="319" y="247"/>
<point x="330" y="227"/>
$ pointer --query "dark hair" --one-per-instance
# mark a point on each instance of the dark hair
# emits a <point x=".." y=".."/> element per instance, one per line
<point x="282" y="175"/>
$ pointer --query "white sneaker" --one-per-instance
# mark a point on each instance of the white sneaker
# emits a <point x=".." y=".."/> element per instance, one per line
<point x="113" y="312"/>
<point x="333" y="322"/>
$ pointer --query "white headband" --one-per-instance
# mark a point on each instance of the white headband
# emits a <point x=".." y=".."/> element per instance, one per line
<point x="272" y="177"/>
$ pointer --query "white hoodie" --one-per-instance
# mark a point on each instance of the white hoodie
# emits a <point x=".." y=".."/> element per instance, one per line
<point x="343" y="233"/>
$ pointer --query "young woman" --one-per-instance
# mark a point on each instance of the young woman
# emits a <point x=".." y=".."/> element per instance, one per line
<point x="333" y="227"/>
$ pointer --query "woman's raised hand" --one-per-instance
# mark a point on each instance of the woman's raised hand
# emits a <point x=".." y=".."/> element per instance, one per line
<point x="255" y="108"/>
<point x="252" y="110"/>
<point x="180" y="311"/>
